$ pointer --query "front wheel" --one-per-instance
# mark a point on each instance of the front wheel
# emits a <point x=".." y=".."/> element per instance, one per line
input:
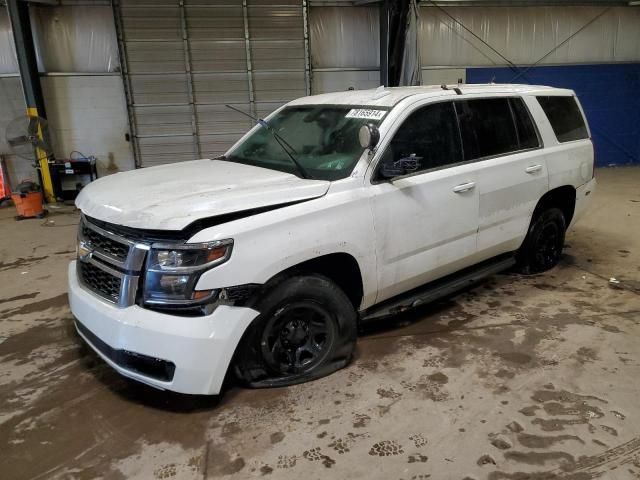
<point x="542" y="248"/>
<point x="306" y="330"/>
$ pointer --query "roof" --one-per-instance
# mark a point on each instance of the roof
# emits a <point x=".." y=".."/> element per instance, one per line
<point x="390" y="96"/>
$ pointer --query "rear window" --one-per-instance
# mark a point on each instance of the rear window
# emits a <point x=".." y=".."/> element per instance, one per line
<point x="487" y="127"/>
<point x="565" y="118"/>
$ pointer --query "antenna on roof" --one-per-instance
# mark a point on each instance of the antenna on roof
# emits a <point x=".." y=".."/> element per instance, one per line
<point x="380" y="92"/>
<point x="493" y="80"/>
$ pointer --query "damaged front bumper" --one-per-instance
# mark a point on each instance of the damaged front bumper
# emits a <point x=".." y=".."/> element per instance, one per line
<point x="182" y="354"/>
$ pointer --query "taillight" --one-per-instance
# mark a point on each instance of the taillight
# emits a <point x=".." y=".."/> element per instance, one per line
<point x="593" y="168"/>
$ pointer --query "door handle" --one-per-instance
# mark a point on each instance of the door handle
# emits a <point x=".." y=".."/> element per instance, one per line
<point x="533" y="168"/>
<point x="464" y="187"/>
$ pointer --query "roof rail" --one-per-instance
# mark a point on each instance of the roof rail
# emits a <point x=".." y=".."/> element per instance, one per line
<point x="455" y="89"/>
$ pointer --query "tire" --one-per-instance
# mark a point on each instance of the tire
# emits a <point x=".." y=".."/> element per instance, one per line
<point x="306" y="330"/>
<point x="542" y="248"/>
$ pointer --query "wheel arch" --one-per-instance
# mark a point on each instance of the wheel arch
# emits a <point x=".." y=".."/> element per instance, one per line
<point x="563" y="197"/>
<point x="340" y="267"/>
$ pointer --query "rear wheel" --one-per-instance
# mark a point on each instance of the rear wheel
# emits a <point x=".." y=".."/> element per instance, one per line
<point x="543" y="245"/>
<point x="306" y="329"/>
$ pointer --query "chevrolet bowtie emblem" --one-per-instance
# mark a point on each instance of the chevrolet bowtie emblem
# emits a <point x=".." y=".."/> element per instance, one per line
<point x="84" y="252"/>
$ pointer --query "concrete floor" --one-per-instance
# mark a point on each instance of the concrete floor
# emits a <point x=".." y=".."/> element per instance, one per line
<point x="520" y="378"/>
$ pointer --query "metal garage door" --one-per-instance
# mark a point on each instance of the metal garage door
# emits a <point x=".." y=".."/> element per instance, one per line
<point x="183" y="60"/>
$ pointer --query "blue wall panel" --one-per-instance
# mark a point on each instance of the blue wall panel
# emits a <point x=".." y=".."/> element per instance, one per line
<point x="610" y="97"/>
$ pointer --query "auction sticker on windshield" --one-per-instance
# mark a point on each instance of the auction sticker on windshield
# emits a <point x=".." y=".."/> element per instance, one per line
<point x="366" y="113"/>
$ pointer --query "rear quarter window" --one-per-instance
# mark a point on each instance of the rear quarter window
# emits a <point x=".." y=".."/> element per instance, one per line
<point x="527" y="134"/>
<point x="565" y="117"/>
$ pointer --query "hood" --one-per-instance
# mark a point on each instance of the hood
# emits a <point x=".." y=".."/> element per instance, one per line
<point x="170" y="197"/>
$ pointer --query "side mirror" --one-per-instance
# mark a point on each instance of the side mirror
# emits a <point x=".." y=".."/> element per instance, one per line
<point x="369" y="135"/>
<point x="400" y="167"/>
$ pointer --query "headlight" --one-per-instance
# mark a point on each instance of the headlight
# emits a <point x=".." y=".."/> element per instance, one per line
<point x="172" y="272"/>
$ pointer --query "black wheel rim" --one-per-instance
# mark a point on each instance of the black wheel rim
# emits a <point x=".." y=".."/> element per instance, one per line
<point x="549" y="246"/>
<point x="298" y="337"/>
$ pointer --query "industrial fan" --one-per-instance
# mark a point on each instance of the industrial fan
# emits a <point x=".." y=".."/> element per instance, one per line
<point x="28" y="137"/>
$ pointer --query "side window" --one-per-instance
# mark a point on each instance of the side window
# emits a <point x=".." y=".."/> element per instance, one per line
<point x="565" y="117"/>
<point x="527" y="135"/>
<point x="487" y="127"/>
<point x="431" y="134"/>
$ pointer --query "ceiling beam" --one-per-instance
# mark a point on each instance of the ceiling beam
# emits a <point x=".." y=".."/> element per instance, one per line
<point x="528" y="3"/>
<point x="484" y="3"/>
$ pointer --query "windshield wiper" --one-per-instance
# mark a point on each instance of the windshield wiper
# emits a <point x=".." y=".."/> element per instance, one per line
<point x="281" y="141"/>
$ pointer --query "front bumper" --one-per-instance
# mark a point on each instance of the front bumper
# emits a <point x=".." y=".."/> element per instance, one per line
<point x="182" y="354"/>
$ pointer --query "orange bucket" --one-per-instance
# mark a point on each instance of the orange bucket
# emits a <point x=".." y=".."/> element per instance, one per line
<point x="29" y="205"/>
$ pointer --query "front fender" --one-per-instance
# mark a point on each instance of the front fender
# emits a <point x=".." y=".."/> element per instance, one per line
<point x="269" y="243"/>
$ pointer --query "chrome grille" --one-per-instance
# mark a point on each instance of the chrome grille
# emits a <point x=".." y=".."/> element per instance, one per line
<point x="105" y="244"/>
<point x="99" y="281"/>
<point x="109" y="264"/>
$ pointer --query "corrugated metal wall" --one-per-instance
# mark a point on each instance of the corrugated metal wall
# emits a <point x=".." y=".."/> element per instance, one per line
<point x="78" y="39"/>
<point x="8" y="63"/>
<point x="345" y="48"/>
<point x="185" y="60"/>
<point x="524" y="35"/>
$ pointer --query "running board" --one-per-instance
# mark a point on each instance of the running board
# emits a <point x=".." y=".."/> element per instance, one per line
<point x="439" y="288"/>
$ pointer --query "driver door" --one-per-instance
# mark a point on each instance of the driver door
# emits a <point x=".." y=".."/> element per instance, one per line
<point x="426" y="221"/>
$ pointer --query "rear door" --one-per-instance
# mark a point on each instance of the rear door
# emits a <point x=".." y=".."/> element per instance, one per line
<point x="569" y="148"/>
<point x="499" y="135"/>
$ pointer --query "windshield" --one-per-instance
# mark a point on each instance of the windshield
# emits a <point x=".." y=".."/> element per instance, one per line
<point x="324" y="140"/>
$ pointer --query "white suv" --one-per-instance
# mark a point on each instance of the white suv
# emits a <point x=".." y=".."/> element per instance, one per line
<point x="336" y="209"/>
